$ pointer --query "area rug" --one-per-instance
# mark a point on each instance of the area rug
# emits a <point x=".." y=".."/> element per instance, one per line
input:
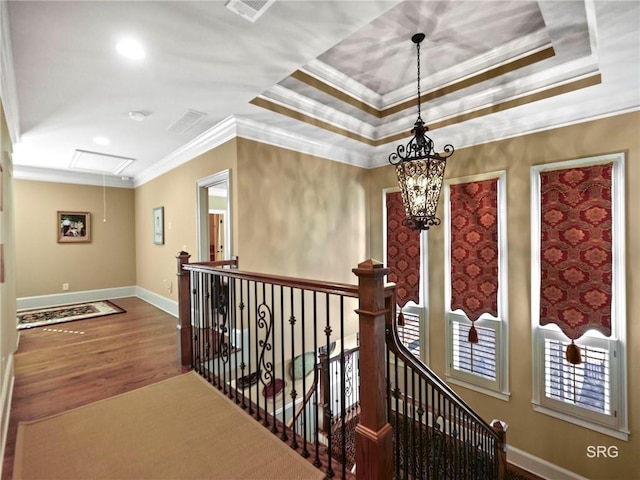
<point x="65" y="313"/>
<point x="180" y="428"/>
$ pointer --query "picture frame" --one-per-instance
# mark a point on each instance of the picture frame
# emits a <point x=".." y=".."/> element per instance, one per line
<point x="158" y="225"/>
<point x="74" y="227"/>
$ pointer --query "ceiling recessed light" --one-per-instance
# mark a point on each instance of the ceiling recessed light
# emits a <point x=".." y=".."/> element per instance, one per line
<point x="101" y="140"/>
<point x="131" y="49"/>
<point x="137" y="116"/>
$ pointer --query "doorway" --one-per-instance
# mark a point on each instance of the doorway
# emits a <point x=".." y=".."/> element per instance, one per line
<point x="214" y="217"/>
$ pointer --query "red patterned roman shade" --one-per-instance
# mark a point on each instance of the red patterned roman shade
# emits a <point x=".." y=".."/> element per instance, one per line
<point x="403" y="252"/>
<point x="576" y="250"/>
<point x="474" y="249"/>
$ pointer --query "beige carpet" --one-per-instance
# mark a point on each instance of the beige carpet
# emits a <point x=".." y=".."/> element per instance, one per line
<point x="181" y="428"/>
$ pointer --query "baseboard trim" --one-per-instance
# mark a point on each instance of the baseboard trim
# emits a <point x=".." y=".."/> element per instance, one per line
<point x="539" y="466"/>
<point x="163" y="303"/>
<point x="5" y="401"/>
<point x="42" y="301"/>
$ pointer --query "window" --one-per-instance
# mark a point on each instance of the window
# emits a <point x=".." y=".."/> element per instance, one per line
<point x="578" y="292"/>
<point x="410" y="332"/>
<point x="406" y="257"/>
<point x="475" y="283"/>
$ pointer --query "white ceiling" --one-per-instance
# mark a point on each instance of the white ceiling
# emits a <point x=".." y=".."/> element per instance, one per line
<point x="313" y="75"/>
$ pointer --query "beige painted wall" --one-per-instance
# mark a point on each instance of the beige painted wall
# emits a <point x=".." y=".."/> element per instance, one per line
<point x="8" y="333"/>
<point x="293" y="214"/>
<point x="554" y="440"/>
<point x="176" y="192"/>
<point x="43" y="264"/>
<point x="300" y="215"/>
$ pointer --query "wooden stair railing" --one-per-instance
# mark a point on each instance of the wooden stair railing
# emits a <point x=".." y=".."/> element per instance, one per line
<point x="436" y="434"/>
<point x="257" y="322"/>
<point x="258" y="337"/>
<point x="308" y="397"/>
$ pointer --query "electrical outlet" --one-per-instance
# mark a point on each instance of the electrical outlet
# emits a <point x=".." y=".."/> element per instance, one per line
<point x="65" y="287"/>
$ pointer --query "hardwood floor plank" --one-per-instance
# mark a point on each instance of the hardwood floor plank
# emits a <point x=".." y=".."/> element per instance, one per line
<point x="57" y="370"/>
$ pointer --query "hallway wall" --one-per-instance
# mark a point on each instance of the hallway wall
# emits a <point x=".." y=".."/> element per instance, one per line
<point x="107" y="261"/>
<point x="556" y="441"/>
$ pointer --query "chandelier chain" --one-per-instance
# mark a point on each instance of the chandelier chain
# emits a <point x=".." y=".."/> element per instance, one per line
<point x="419" y="102"/>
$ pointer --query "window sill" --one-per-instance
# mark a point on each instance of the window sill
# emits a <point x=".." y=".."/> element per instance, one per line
<point x="612" y="432"/>
<point x="504" y="396"/>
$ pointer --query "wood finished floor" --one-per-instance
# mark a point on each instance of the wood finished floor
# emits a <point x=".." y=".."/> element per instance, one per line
<point x="59" y="371"/>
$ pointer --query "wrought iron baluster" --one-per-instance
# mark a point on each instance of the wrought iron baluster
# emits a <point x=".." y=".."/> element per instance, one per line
<point x="264" y="320"/>
<point x="282" y="355"/>
<point x="343" y="428"/>
<point x="292" y="323"/>
<point x="327" y="405"/>
<point x="316" y="437"/>
<point x="245" y="374"/>
<point x="303" y="336"/>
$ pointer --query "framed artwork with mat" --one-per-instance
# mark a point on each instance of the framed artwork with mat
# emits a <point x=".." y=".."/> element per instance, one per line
<point x="74" y="227"/>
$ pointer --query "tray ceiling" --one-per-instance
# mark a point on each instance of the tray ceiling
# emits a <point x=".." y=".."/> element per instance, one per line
<point x="335" y="78"/>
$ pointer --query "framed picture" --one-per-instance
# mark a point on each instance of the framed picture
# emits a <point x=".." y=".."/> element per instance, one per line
<point x="158" y="225"/>
<point x="74" y="227"/>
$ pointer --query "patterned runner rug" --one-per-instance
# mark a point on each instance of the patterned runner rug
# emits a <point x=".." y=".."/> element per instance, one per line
<point x="65" y="313"/>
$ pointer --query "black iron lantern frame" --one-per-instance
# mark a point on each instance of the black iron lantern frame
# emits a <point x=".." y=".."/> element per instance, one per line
<point x="420" y="169"/>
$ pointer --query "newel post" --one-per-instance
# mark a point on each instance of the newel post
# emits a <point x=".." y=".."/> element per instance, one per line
<point x="501" y="430"/>
<point x="184" y="312"/>
<point x="374" y="449"/>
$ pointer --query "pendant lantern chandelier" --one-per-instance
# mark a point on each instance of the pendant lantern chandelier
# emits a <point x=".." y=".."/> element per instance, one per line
<point x="420" y="169"/>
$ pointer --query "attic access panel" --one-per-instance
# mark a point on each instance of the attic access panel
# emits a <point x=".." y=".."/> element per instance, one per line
<point x="95" y="162"/>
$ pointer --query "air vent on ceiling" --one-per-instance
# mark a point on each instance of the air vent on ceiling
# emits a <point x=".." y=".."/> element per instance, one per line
<point x="186" y="121"/>
<point x="98" y="162"/>
<point x="249" y="9"/>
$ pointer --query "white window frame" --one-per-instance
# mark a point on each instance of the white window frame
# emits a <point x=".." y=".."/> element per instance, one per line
<point x="614" y="424"/>
<point x="421" y="309"/>
<point x="498" y="388"/>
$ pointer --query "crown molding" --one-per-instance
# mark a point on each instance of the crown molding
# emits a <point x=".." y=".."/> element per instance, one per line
<point x="8" y="92"/>
<point x="522" y="47"/>
<point x="511" y="129"/>
<point x="22" y="172"/>
<point x="232" y="127"/>
<point x="217" y="135"/>
<point x="278" y="137"/>
<point x="314" y="109"/>
<point x="338" y="80"/>
<point x="519" y="49"/>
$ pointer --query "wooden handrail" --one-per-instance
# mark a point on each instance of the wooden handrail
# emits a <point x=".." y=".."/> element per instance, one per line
<point x="232" y="262"/>
<point x="335" y="358"/>
<point x="307" y="397"/>
<point x="292" y="282"/>
<point x="397" y="347"/>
